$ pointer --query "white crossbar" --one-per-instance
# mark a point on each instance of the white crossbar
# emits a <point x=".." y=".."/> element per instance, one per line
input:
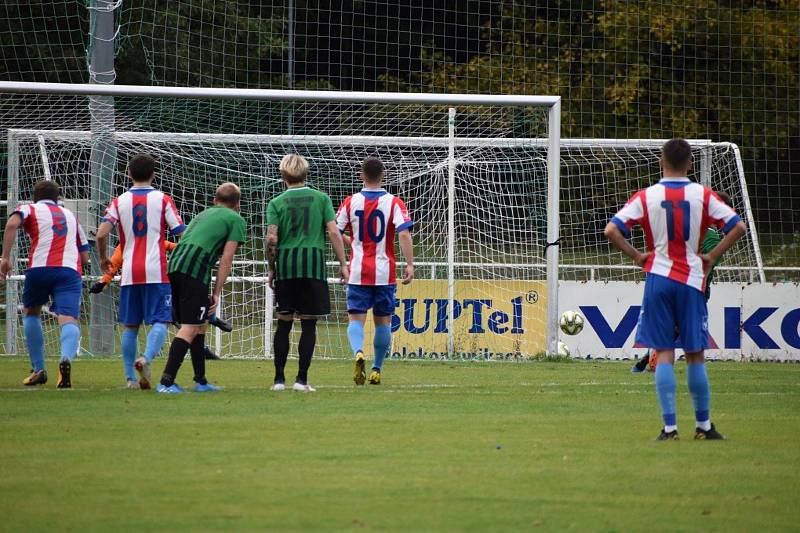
<point x="276" y="95"/>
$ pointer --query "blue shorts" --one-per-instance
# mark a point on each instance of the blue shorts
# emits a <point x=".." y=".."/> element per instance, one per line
<point x="673" y="315"/>
<point x="63" y="284"/>
<point x="148" y="303"/>
<point x="379" y="298"/>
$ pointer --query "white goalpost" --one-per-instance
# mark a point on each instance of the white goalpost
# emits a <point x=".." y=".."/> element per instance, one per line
<point x="445" y="155"/>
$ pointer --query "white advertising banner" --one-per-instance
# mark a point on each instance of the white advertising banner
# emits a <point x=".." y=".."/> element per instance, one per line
<point x="745" y="321"/>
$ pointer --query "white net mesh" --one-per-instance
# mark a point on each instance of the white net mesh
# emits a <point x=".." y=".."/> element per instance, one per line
<point x="499" y="218"/>
<point x="499" y="152"/>
<point x="598" y="177"/>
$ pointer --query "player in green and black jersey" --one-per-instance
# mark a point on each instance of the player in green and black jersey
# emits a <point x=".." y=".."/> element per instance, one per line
<point x="297" y="221"/>
<point x="213" y="235"/>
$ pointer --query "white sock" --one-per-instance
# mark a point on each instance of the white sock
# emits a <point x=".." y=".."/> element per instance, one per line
<point x="670" y="429"/>
<point x="705" y="425"/>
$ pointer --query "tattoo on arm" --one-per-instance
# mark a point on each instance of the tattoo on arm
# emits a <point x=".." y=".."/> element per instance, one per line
<point x="272" y="244"/>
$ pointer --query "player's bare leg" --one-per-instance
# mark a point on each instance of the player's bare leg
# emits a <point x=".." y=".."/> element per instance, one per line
<point x="355" y="334"/>
<point x="34" y="342"/>
<point x="665" y="389"/>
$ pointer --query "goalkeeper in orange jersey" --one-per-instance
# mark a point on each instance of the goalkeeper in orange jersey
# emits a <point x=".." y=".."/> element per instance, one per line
<point x="116" y="265"/>
<point x="711" y="239"/>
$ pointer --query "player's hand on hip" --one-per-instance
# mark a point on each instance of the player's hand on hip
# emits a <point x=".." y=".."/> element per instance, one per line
<point x="409" y="274"/>
<point x="213" y="307"/>
<point x="344" y="274"/>
<point x="642" y="259"/>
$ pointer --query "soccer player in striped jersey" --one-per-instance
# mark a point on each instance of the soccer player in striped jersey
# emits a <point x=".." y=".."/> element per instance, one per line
<point x="58" y="251"/>
<point x="675" y="214"/>
<point x="710" y="241"/>
<point x="143" y="215"/>
<point x="372" y="218"/>
<point x="297" y="221"/>
<point x="213" y="235"/>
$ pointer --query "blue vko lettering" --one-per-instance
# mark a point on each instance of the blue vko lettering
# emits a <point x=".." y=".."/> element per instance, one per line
<point x="735" y="326"/>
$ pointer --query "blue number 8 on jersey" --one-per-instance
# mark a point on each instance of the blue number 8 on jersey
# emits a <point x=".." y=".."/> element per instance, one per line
<point x="140" y="220"/>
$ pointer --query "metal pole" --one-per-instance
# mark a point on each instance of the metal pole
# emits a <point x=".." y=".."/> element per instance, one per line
<point x="350" y="140"/>
<point x="749" y="214"/>
<point x="277" y="95"/>
<point x="217" y="332"/>
<point x="553" y="178"/>
<point x="290" y="45"/>
<point x="451" y="231"/>
<point x="705" y="166"/>
<point x="12" y="289"/>
<point x="45" y="159"/>
<point x="103" y="156"/>
<point x="268" y="308"/>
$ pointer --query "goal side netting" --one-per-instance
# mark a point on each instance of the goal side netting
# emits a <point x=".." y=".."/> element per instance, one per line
<point x="474" y="177"/>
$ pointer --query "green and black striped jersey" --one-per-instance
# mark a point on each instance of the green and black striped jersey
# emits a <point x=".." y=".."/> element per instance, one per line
<point x="201" y="245"/>
<point x="301" y="214"/>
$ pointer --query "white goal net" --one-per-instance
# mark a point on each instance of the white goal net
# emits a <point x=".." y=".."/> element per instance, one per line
<point x="474" y="177"/>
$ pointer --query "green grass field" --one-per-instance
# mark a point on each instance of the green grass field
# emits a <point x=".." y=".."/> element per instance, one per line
<point x="438" y="446"/>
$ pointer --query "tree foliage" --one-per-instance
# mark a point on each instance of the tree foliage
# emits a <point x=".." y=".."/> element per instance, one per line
<point x="643" y="69"/>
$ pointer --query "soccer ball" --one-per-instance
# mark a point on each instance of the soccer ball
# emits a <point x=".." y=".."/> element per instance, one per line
<point x="563" y="349"/>
<point x="571" y="322"/>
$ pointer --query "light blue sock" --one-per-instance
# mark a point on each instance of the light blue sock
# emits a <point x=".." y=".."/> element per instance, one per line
<point x="355" y="334"/>
<point x="155" y="340"/>
<point x="697" y="379"/>
<point x="70" y="339"/>
<point x="130" y="346"/>
<point x="382" y="342"/>
<point x="34" y="340"/>
<point x="665" y="388"/>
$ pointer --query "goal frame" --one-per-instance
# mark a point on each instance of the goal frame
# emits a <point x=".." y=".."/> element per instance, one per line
<point x="756" y="272"/>
<point x="453" y="101"/>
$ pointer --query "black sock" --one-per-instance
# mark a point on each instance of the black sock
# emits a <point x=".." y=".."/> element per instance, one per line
<point x="198" y="352"/>
<point x="177" y="351"/>
<point x="281" y="348"/>
<point x="308" y="339"/>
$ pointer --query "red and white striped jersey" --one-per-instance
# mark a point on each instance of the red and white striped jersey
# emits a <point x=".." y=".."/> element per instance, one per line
<point x="57" y="238"/>
<point x="675" y="214"/>
<point x="143" y="215"/>
<point x="372" y="217"/>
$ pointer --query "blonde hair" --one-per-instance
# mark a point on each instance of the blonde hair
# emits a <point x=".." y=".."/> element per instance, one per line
<point x="228" y="194"/>
<point x="294" y="168"/>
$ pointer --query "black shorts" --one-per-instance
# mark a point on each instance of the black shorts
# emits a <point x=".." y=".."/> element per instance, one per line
<point x="190" y="299"/>
<point x="304" y="296"/>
